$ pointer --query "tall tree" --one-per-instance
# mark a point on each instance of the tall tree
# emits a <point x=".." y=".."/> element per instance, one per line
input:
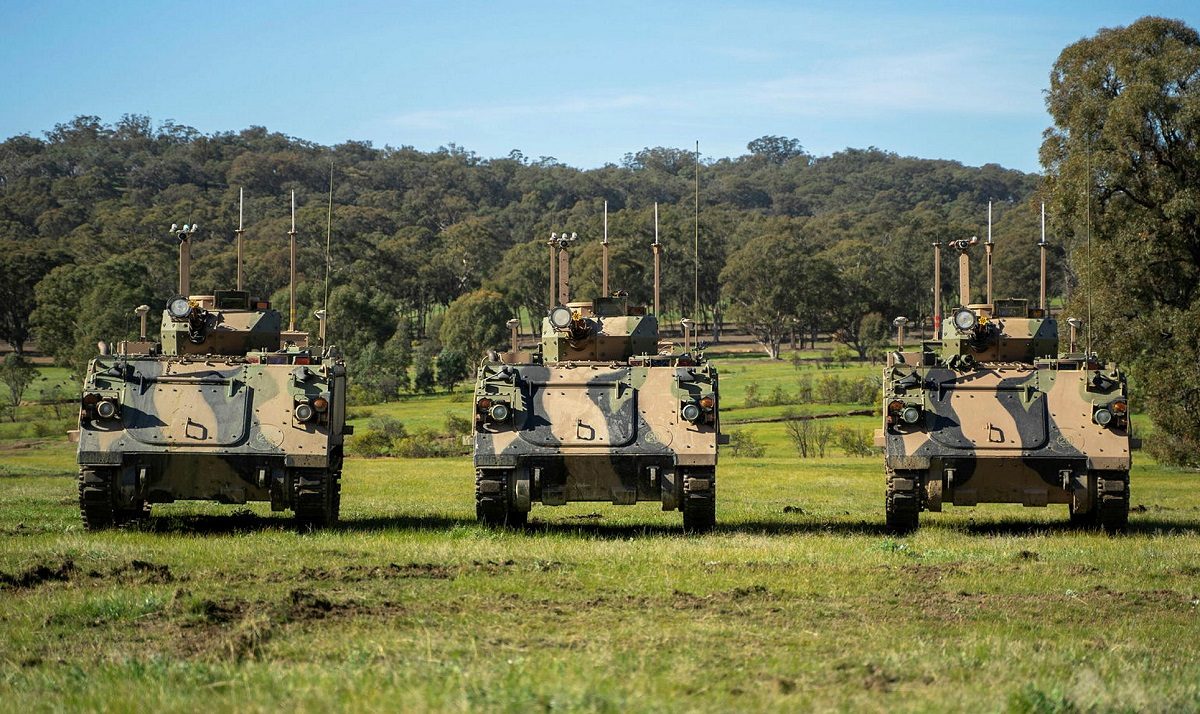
<point x="776" y="288"/>
<point x="1123" y="166"/>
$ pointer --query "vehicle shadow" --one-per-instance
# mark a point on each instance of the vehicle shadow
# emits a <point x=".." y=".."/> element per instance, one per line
<point x="1137" y="526"/>
<point x="244" y="521"/>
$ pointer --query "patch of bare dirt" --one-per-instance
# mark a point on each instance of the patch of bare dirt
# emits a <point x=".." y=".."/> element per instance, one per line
<point x="38" y="574"/>
<point x="140" y="572"/>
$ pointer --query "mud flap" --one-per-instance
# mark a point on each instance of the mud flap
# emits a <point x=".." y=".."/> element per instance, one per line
<point x="521" y="490"/>
<point x="933" y="495"/>
<point x="668" y="481"/>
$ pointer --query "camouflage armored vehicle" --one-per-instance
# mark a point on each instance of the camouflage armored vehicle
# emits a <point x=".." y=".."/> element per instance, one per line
<point x="226" y="406"/>
<point x="596" y="413"/>
<point x="993" y="413"/>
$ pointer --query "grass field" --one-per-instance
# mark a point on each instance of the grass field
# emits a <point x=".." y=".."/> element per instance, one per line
<point x="798" y="601"/>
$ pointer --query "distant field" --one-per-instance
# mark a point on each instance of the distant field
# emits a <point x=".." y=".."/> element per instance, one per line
<point x="798" y="601"/>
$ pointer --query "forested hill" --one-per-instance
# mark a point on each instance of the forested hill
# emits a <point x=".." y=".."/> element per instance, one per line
<point x="414" y="230"/>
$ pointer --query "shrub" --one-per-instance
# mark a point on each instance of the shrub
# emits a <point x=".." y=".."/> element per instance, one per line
<point x="828" y="389"/>
<point x="805" y="391"/>
<point x="752" y="398"/>
<point x="390" y="427"/>
<point x="743" y="443"/>
<point x="457" y="424"/>
<point x="854" y="442"/>
<point x="369" y="444"/>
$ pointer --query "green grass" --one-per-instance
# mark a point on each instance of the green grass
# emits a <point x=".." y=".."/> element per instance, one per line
<point x="798" y="601"/>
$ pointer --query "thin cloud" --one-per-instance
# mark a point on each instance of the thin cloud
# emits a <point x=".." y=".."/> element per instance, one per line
<point x="955" y="81"/>
<point x="433" y="119"/>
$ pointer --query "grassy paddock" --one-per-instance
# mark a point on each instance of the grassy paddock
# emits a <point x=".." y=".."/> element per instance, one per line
<point x="799" y="600"/>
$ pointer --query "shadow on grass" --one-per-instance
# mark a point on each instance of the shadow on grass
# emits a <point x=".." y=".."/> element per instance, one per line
<point x="1014" y="527"/>
<point x="247" y="521"/>
<point x="243" y="521"/>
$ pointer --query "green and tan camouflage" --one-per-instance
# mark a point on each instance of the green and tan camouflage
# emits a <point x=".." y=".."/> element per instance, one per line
<point x="993" y="413"/>
<point x="597" y="412"/>
<point x="226" y="406"/>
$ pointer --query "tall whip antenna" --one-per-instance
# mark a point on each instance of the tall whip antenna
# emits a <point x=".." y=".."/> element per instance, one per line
<point x="1088" y="188"/>
<point x="328" y="234"/>
<point x="696" y="244"/>
<point x="1042" y="252"/>
<point x="292" y="270"/>
<point x="604" y="262"/>
<point x="988" y="246"/>
<point x="238" y="233"/>
<point x="657" y="248"/>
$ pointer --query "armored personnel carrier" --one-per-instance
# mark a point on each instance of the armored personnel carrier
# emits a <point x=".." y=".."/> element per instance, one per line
<point x="596" y="413"/>
<point x="226" y="406"/>
<point x="993" y="413"/>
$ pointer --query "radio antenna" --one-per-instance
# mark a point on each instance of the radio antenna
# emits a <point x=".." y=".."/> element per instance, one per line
<point x="292" y="270"/>
<point x="696" y="243"/>
<point x="657" y="248"/>
<point x="1042" y="250"/>
<point x="328" y="234"/>
<point x="238" y="233"/>
<point x="1090" y="272"/>
<point x="604" y="254"/>
<point x="988" y="250"/>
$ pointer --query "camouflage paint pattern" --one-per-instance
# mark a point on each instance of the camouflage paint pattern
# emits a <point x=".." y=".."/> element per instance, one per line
<point x="1002" y="419"/>
<point x="221" y="425"/>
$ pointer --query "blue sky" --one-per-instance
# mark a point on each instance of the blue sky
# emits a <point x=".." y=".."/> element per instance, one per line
<point x="582" y="82"/>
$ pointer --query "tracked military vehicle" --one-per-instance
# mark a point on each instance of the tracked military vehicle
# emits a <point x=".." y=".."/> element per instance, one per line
<point x="225" y="406"/>
<point x="596" y="413"/>
<point x="993" y="413"/>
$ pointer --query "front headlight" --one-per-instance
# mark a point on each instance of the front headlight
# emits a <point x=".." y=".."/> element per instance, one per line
<point x="560" y="318"/>
<point x="690" y="412"/>
<point x="964" y="319"/>
<point x="910" y="415"/>
<point x="106" y="409"/>
<point x="499" y="411"/>
<point x="304" y="411"/>
<point x="1102" y="416"/>
<point x="179" y="308"/>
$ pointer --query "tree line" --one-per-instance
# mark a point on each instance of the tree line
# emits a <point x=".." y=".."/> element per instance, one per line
<point x="84" y="213"/>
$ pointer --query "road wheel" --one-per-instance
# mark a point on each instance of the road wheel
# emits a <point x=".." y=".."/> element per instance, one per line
<point x="902" y="504"/>
<point x="699" y="502"/>
<point x="494" y="501"/>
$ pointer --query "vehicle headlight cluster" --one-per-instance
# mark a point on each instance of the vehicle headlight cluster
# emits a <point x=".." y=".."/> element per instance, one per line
<point x="700" y="410"/>
<point x="1114" y="415"/>
<point x="97" y="406"/>
<point x="492" y="411"/>
<point x="311" y="409"/>
<point x="903" y="413"/>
